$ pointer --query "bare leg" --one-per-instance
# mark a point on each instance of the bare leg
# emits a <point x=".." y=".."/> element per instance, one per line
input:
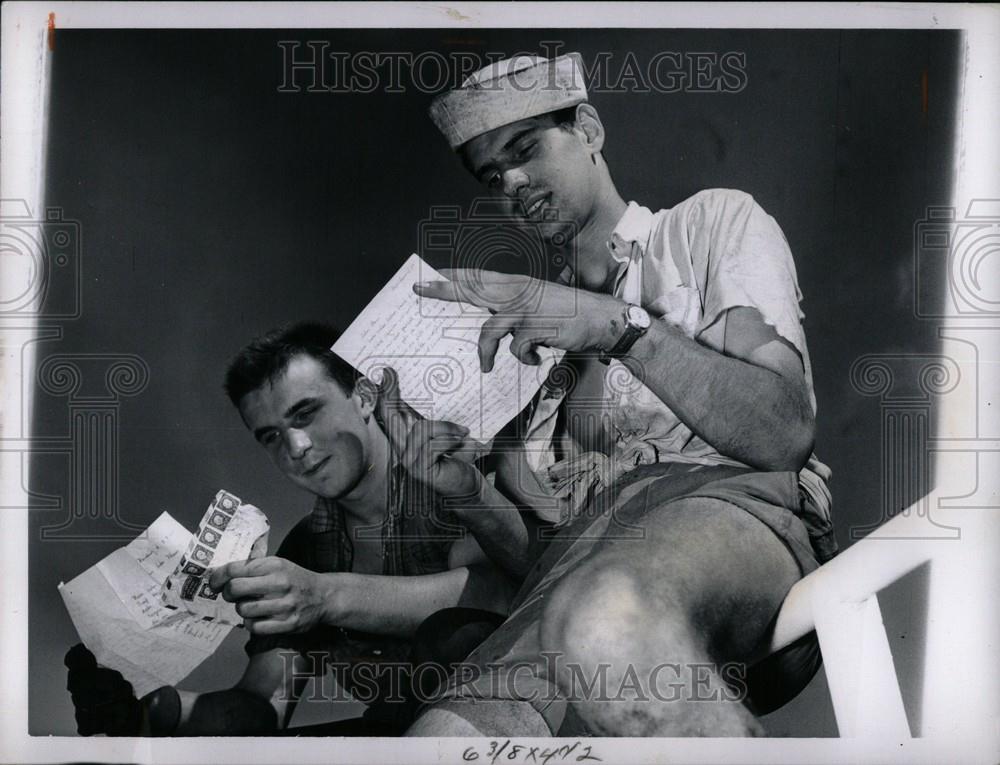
<point x="661" y="617"/>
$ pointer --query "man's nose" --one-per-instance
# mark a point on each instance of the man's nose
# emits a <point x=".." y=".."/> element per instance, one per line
<point x="298" y="443"/>
<point x="514" y="179"/>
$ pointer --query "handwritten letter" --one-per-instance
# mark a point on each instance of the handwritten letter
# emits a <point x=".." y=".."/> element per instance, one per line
<point x="432" y="345"/>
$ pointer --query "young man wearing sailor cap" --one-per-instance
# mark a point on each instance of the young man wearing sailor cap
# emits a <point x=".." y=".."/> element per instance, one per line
<point x="674" y="441"/>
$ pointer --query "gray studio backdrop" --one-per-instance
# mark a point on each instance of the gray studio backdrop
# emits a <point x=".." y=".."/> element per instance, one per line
<point x="210" y="206"/>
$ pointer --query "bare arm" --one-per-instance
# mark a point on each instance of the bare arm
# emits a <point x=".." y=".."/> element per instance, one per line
<point x="508" y="536"/>
<point x="276" y="596"/>
<point x="748" y="398"/>
<point x="440" y="455"/>
<point x="396" y="605"/>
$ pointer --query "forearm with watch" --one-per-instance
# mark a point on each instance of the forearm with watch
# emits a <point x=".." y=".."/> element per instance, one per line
<point x="744" y="410"/>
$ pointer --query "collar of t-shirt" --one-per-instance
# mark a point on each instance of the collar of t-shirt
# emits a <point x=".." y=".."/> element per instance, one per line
<point x="627" y="245"/>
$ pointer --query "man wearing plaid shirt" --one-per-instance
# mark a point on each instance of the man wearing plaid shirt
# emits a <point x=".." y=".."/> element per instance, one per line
<point x="353" y="584"/>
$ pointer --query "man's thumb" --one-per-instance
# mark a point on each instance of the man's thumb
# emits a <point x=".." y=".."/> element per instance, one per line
<point x="390" y="382"/>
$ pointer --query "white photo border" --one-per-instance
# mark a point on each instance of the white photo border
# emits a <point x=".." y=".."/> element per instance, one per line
<point x="24" y="89"/>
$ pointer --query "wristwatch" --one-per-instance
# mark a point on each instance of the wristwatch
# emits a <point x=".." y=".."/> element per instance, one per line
<point x="637" y="321"/>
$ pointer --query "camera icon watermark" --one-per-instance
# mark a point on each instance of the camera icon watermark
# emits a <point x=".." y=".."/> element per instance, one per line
<point x="962" y="253"/>
<point x="504" y="236"/>
<point x="41" y="263"/>
<point x="42" y="289"/>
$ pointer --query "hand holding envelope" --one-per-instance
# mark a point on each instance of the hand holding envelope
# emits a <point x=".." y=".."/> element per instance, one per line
<point x="118" y="605"/>
<point x="274" y="595"/>
<point x="230" y="531"/>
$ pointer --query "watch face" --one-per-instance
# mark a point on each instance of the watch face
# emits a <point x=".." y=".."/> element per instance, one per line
<point x="637" y="317"/>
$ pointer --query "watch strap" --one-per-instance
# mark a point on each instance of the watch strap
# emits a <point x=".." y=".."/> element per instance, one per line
<point x="625" y="342"/>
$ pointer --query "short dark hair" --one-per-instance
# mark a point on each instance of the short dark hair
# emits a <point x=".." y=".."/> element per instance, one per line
<point x="564" y="118"/>
<point x="267" y="357"/>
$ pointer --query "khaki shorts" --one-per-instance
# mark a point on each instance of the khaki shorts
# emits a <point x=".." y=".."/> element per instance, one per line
<point x="510" y="665"/>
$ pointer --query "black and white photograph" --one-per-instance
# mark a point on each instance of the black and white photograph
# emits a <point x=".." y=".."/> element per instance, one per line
<point x="537" y="382"/>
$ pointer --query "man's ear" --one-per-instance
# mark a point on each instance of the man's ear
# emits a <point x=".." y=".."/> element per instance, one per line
<point x="590" y="127"/>
<point x="366" y="394"/>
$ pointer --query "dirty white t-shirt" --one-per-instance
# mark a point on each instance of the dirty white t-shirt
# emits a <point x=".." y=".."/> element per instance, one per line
<point x="688" y="265"/>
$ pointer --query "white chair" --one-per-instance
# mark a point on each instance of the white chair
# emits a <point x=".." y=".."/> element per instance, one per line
<point x="961" y="688"/>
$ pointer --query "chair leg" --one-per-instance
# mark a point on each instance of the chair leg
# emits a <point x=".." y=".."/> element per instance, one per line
<point x="859" y="669"/>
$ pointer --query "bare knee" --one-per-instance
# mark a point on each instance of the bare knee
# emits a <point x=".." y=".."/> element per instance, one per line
<point x="601" y="613"/>
<point x="585" y="602"/>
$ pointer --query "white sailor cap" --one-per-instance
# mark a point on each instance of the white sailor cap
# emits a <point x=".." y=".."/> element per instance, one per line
<point x="507" y="91"/>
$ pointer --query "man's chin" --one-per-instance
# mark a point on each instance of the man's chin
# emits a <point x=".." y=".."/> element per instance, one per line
<point x="328" y="488"/>
<point x="320" y="486"/>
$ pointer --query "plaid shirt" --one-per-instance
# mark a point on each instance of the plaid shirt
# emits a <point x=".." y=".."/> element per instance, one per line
<point x="416" y="535"/>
